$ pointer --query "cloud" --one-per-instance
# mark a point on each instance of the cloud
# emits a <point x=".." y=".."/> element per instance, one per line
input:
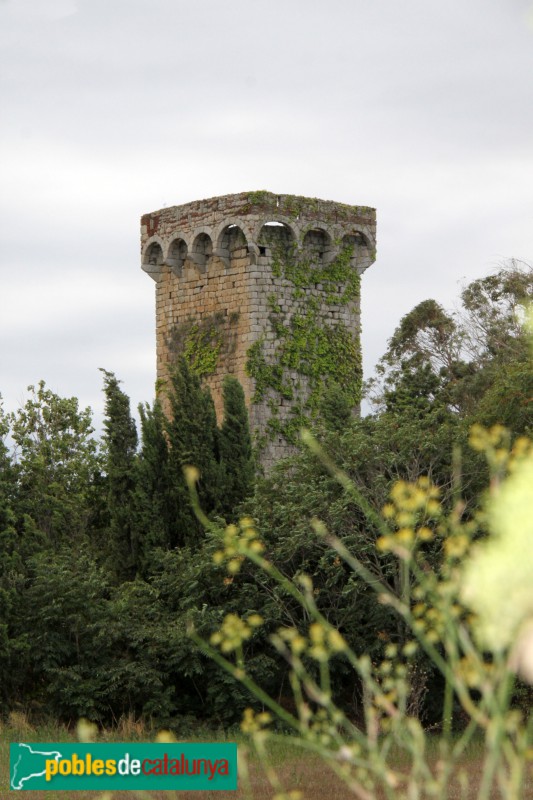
<point x="111" y="110"/>
<point x="34" y="10"/>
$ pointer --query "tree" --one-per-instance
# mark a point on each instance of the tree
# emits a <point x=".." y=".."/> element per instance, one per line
<point x="373" y="453"/>
<point x="493" y="314"/>
<point x="465" y="363"/>
<point x="235" y="444"/>
<point x="336" y="407"/>
<point x="497" y="342"/>
<point x="66" y="601"/>
<point x="153" y="491"/>
<point x="192" y="441"/>
<point x="120" y="440"/>
<point x="55" y="461"/>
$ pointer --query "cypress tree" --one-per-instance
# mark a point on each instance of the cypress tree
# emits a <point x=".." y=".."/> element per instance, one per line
<point x="193" y="440"/>
<point x="235" y="448"/>
<point x="121" y="445"/>
<point x="153" y="493"/>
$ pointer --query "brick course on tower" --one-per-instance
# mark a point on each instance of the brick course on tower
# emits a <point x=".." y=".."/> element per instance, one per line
<point x="263" y="287"/>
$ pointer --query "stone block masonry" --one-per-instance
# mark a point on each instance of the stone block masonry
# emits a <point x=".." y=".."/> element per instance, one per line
<point x="264" y="287"/>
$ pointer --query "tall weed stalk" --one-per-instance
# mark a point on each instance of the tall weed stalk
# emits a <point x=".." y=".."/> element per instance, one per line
<point x="441" y="608"/>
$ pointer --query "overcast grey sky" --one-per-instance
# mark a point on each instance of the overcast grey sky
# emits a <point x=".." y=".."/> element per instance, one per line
<point x="113" y="108"/>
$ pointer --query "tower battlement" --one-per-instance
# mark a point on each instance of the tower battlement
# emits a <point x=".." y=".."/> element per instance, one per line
<point x="264" y="287"/>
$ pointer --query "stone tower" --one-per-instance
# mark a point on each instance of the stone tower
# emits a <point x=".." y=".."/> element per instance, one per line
<point x="264" y="287"/>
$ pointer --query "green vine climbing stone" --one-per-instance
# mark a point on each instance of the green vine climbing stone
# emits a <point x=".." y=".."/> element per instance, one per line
<point x="313" y="347"/>
<point x="202" y="342"/>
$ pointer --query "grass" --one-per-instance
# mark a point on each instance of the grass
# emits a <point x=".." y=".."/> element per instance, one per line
<point x="305" y="772"/>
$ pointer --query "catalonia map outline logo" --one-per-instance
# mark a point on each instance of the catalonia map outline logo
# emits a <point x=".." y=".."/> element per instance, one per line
<point x="121" y="766"/>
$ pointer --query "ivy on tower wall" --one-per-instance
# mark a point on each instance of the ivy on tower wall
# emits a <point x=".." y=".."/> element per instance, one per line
<point x="203" y="342"/>
<point x="310" y="340"/>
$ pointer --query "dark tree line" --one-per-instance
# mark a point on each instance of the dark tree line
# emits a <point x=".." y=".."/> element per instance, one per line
<point x="90" y="535"/>
<point x="103" y="563"/>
